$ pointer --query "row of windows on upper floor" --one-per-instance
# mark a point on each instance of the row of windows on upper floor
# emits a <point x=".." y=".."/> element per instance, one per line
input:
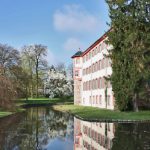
<point x="95" y="84"/>
<point x="95" y="51"/>
<point x="99" y="65"/>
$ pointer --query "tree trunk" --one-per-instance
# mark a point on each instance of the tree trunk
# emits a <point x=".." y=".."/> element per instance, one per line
<point x="26" y="92"/>
<point x="37" y="82"/>
<point x="31" y="85"/>
<point x="135" y="104"/>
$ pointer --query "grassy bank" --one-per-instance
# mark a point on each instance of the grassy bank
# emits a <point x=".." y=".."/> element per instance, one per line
<point x="90" y="113"/>
<point x="44" y="101"/>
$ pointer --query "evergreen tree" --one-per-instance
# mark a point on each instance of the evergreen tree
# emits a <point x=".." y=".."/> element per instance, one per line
<point x="130" y="37"/>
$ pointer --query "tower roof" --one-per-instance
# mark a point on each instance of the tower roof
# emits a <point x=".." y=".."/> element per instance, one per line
<point x="77" y="54"/>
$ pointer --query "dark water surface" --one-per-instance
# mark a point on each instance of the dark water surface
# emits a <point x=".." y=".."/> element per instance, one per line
<point x="44" y="129"/>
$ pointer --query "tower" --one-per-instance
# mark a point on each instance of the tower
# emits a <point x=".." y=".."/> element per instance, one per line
<point x="77" y="76"/>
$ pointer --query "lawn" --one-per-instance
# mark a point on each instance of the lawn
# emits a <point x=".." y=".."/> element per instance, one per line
<point x="44" y="101"/>
<point x="91" y="113"/>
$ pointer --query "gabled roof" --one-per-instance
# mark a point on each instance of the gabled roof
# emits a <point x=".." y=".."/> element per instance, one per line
<point x="97" y="42"/>
<point x="81" y="54"/>
<point x="77" y="54"/>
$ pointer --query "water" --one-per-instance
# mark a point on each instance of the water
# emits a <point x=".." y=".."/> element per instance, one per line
<point x="45" y="129"/>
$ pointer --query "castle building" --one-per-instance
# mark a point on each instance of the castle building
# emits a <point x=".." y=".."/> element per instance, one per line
<point x="91" y="69"/>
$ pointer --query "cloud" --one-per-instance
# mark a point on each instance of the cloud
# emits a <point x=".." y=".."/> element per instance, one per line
<point x="72" y="44"/>
<point x="76" y="19"/>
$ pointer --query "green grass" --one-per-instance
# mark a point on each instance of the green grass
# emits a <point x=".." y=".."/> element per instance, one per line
<point x="39" y="98"/>
<point x="44" y="101"/>
<point x="4" y="113"/>
<point x="91" y="113"/>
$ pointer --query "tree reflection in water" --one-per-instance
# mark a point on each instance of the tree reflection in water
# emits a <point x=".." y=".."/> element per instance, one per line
<point x="37" y="128"/>
<point x="44" y="129"/>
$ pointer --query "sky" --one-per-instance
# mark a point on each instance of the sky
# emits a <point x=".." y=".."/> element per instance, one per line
<point x="63" y="26"/>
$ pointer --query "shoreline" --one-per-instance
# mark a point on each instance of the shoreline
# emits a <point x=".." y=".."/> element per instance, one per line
<point x="86" y="113"/>
<point x="102" y="115"/>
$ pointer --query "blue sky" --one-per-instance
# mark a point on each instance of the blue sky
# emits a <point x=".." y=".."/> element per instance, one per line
<point x="62" y="25"/>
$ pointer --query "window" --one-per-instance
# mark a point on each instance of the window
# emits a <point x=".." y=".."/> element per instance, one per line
<point x="83" y="71"/>
<point x="92" y="84"/>
<point x="76" y="73"/>
<point x="86" y="57"/>
<point x="83" y="58"/>
<point x="96" y="99"/>
<point x="99" y="64"/>
<point x="100" y="99"/>
<point x="96" y="51"/>
<point x="83" y="86"/>
<point x="86" y="86"/>
<point x="93" y="99"/>
<point x="90" y="100"/>
<point x="89" y="70"/>
<point x="96" y="84"/>
<point x="100" y="83"/>
<point x="77" y="60"/>
<point x="102" y="64"/>
<point x="89" y="55"/>
<point x="92" y="68"/>
<point x="86" y="70"/>
<point x="108" y="100"/>
<point x="100" y="48"/>
<point x="96" y="66"/>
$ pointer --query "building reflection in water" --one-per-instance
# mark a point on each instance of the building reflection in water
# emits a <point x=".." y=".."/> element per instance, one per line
<point x="93" y="135"/>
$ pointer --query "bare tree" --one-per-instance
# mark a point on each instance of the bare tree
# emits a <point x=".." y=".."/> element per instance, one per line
<point x="8" y="57"/>
<point x="35" y="56"/>
<point x="28" y="64"/>
<point x="40" y="52"/>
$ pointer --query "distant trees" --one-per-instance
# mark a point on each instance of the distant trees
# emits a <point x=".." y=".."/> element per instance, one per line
<point x="20" y="73"/>
<point x="33" y="59"/>
<point x="130" y="37"/>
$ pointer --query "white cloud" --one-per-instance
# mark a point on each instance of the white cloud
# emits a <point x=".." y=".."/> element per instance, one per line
<point x="75" y="18"/>
<point x="72" y="44"/>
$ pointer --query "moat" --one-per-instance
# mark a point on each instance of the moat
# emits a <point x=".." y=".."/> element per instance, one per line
<point x="41" y="128"/>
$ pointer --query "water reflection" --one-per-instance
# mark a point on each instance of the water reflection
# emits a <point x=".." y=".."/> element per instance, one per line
<point x="45" y="129"/>
<point x="111" y="136"/>
<point x="93" y="136"/>
<point x="37" y="129"/>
